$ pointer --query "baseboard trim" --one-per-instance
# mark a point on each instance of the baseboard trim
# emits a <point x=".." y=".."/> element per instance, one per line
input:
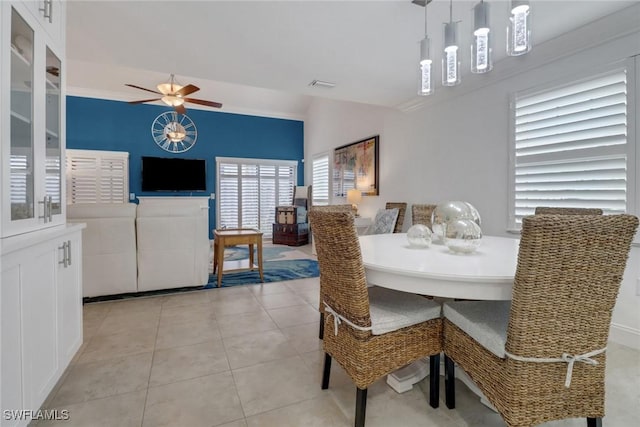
<point x="625" y="335"/>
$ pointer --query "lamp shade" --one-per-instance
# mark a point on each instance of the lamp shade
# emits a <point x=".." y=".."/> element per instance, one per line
<point x="354" y="196"/>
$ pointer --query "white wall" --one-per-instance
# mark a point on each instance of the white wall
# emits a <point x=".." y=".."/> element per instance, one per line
<point x="457" y="146"/>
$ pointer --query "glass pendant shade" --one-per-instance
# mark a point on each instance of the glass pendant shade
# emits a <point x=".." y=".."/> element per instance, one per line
<point x="481" y="37"/>
<point x="172" y="100"/>
<point x="426" y="86"/>
<point x="451" y="55"/>
<point x="519" y="29"/>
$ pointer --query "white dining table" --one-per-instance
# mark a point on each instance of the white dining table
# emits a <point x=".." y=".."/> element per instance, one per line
<point x="486" y="274"/>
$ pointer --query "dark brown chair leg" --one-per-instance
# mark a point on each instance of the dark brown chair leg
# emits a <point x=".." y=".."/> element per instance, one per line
<point x="434" y="380"/>
<point x="449" y="382"/>
<point x="321" y="332"/>
<point x="594" y="422"/>
<point x="326" y="372"/>
<point x="361" y="406"/>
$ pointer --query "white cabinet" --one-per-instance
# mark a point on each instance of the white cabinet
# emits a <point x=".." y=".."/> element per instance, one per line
<point x="50" y="15"/>
<point x="69" y="299"/>
<point x="41" y="316"/>
<point x="32" y="117"/>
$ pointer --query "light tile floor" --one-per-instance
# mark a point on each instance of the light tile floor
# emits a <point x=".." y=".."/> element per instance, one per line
<point x="249" y="356"/>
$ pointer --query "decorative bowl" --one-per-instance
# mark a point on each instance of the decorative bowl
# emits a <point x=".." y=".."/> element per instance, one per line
<point x="449" y="211"/>
<point x="462" y="235"/>
<point x="419" y="236"/>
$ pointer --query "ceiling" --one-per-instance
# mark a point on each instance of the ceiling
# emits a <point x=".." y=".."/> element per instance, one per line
<point x="256" y="56"/>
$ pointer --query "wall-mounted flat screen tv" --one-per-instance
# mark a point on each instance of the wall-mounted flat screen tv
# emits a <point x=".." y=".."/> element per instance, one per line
<point x="167" y="174"/>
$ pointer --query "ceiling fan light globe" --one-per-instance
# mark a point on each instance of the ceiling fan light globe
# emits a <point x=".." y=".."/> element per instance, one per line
<point x="169" y="87"/>
<point x="172" y="100"/>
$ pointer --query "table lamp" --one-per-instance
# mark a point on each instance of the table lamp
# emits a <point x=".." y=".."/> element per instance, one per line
<point x="354" y="196"/>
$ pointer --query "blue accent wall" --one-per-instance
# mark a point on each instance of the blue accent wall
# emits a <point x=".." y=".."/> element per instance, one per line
<point x="98" y="124"/>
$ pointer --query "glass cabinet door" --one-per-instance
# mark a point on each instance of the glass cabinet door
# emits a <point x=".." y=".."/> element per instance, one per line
<point x="21" y="159"/>
<point x="53" y="152"/>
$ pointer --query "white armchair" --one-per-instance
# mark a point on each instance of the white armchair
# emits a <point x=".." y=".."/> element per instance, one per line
<point x="173" y="245"/>
<point x="108" y="247"/>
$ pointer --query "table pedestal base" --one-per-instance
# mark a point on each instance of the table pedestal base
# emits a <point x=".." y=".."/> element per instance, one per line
<point x="403" y="379"/>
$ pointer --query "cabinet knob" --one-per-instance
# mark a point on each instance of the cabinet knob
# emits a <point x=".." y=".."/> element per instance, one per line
<point x="64" y="254"/>
<point x="45" y="206"/>
<point x="47" y="10"/>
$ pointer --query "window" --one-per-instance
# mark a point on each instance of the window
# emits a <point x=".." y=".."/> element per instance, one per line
<point x="95" y="176"/>
<point x="571" y="147"/>
<point x="320" y="180"/>
<point x="250" y="189"/>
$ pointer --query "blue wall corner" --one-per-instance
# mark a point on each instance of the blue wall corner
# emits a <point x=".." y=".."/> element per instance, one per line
<point x="98" y="124"/>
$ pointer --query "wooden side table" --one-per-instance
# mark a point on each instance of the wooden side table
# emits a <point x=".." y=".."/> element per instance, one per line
<point x="232" y="237"/>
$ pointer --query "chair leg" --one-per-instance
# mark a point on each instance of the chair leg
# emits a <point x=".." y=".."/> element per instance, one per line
<point x="434" y="380"/>
<point x="594" y="422"/>
<point x="321" y="331"/>
<point x="449" y="382"/>
<point x="326" y="372"/>
<point x="361" y="406"/>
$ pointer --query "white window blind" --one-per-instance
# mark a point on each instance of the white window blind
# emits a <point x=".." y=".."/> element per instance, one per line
<point x="571" y="147"/>
<point x="320" y="187"/>
<point x="250" y="189"/>
<point x="19" y="165"/>
<point x="52" y="178"/>
<point x="95" y="176"/>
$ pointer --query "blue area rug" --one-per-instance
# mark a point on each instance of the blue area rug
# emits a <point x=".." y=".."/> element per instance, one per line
<point x="274" y="271"/>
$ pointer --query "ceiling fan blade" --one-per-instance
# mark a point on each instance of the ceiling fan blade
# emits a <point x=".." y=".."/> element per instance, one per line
<point x="187" y="90"/>
<point x="142" y="88"/>
<point x="54" y="71"/>
<point x="203" y="102"/>
<point x="144" y="100"/>
<point x="180" y="109"/>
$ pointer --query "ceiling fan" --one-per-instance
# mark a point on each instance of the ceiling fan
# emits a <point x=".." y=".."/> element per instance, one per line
<point x="174" y="95"/>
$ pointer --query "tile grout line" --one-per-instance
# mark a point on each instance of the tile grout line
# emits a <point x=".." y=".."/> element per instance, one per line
<point x="153" y="355"/>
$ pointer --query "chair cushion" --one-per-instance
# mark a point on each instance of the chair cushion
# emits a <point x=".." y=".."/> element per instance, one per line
<point x="392" y="310"/>
<point x="385" y="221"/>
<point x="484" y="321"/>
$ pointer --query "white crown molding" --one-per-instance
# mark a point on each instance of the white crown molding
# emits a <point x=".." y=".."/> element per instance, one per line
<point x="615" y="26"/>
<point x="231" y="109"/>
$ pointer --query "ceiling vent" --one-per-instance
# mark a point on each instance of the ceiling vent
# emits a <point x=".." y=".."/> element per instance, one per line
<point x="321" y="83"/>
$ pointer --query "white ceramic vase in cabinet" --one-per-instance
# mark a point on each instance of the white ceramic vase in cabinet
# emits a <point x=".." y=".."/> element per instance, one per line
<point x="32" y="116"/>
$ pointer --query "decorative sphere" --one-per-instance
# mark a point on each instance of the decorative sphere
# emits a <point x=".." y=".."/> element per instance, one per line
<point x="448" y="211"/>
<point x="419" y="236"/>
<point x="462" y="235"/>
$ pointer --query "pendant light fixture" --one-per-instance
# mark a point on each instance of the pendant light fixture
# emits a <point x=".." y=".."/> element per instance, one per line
<point x="481" y="37"/>
<point x="519" y="28"/>
<point x="426" y="86"/>
<point x="450" y="55"/>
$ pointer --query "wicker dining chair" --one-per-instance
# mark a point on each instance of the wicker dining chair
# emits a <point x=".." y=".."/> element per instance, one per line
<point x="543" y="210"/>
<point x="421" y="214"/>
<point x="370" y="332"/>
<point x="402" y="209"/>
<point x="328" y="208"/>
<point x="541" y="357"/>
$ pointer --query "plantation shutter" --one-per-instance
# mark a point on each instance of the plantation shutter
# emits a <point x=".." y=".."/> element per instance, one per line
<point x="19" y="166"/>
<point x="97" y="176"/>
<point x="571" y="147"/>
<point x="250" y="189"/>
<point x="321" y="181"/>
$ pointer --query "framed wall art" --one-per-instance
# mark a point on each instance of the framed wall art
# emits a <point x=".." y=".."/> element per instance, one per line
<point x="355" y="165"/>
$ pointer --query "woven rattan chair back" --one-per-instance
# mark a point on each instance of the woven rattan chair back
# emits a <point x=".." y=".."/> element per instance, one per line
<point x="421" y="214"/>
<point x="566" y="284"/>
<point x="333" y="208"/>
<point x="342" y="279"/>
<point x="543" y="210"/>
<point x="402" y="209"/>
